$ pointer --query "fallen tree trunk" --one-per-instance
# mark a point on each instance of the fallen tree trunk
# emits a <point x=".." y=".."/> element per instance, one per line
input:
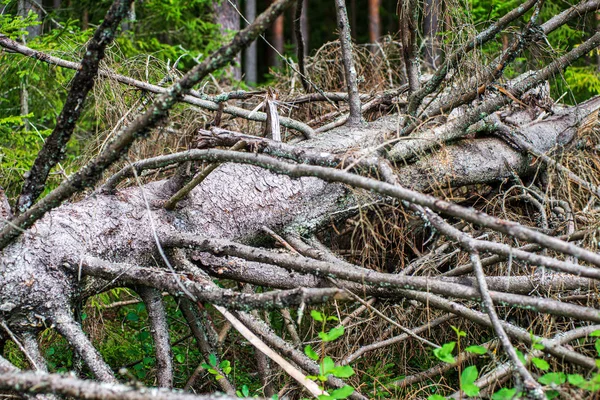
<point x="234" y="202"/>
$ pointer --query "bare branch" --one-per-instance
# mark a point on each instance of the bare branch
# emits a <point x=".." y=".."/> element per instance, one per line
<point x="159" y="329"/>
<point x="261" y="329"/>
<point x="532" y="388"/>
<point x="205" y="291"/>
<point x="417" y="97"/>
<point x="195" y="322"/>
<point x="212" y="103"/>
<point x="364" y="275"/>
<point x="309" y="385"/>
<point x="576" y="11"/>
<point x="417" y="144"/>
<point x="55" y="145"/>
<point x="71" y="330"/>
<point x="300" y="44"/>
<point x="350" y="70"/>
<point x="398" y="192"/>
<point x="520" y="334"/>
<point x="29" y="382"/>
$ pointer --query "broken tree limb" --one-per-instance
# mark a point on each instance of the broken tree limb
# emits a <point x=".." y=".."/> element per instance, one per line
<point x="54" y="148"/>
<point x="419" y="143"/>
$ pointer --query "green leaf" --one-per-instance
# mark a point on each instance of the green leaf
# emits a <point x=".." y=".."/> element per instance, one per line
<point x="444" y="353"/>
<point x="212" y="359"/>
<point x="333" y="318"/>
<point x="595" y="333"/>
<point x="148" y="360"/>
<point x="316" y="315"/>
<point x="327" y="365"/>
<point x="436" y="397"/>
<point x="476" y="349"/>
<point x="504" y="394"/>
<point x="540" y="363"/>
<point x="551" y="394"/>
<point x="224" y="364"/>
<point x="576" y="380"/>
<point x="342" y="393"/>
<point x="469" y="375"/>
<point x="458" y="332"/>
<point x="308" y="350"/>
<point x="597" y="345"/>
<point x="470" y="390"/>
<point x="180" y="358"/>
<point x="553" y="378"/>
<point x="205" y="366"/>
<point x="342" y="371"/>
<point x="131" y="316"/>
<point x="332" y="335"/>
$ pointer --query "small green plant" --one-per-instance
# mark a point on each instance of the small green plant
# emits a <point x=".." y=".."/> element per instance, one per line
<point x="469" y="375"/>
<point x="327" y="366"/>
<point x="217" y="369"/>
<point x="553" y="380"/>
<point x="243" y="392"/>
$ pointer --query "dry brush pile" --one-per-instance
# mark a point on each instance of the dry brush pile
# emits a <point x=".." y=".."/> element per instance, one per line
<point x="456" y="198"/>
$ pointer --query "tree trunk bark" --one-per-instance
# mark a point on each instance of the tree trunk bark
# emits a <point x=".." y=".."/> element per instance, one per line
<point x="228" y="18"/>
<point x="250" y="54"/>
<point x="277" y="40"/>
<point x="24" y="7"/>
<point x="374" y="21"/>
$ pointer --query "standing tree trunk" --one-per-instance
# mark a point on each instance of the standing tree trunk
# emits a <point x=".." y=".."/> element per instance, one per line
<point x="227" y="16"/>
<point x="24" y="7"/>
<point x="85" y="18"/>
<point x="250" y="55"/>
<point x="374" y="21"/>
<point x="305" y="26"/>
<point x="277" y="40"/>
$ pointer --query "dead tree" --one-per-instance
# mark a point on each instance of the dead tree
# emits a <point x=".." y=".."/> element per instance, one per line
<point x="56" y="253"/>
